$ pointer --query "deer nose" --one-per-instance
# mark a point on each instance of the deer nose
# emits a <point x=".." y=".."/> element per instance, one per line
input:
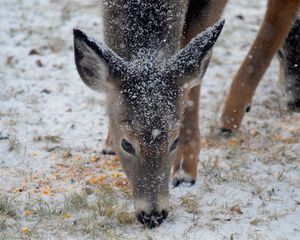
<point x="153" y="219"/>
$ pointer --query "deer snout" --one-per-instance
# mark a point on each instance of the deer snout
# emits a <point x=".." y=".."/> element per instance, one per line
<point x="150" y="213"/>
<point x="153" y="219"/>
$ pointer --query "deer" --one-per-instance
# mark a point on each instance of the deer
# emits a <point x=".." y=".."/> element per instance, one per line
<point x="155" y="55"/>
<point x="278" y="33"/>
<point x="151" y="69"/>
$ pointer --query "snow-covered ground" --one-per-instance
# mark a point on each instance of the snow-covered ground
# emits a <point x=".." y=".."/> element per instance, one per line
<point x="55" y="184"/>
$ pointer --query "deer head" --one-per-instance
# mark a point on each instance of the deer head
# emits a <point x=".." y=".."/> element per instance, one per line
<point x="145" y="105"/>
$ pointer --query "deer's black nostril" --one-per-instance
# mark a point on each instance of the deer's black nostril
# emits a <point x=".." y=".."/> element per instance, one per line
<point x="141" y="217"/>
<point x="165" y="214"/>
<point x="153" y="219"/>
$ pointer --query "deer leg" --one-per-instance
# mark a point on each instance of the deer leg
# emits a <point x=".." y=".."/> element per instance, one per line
<point x="277" y="22"/>
<point x="108" y="145"/>
<point x="186" y="161"/>
<point x="200" y="15"/>
<point x="289" y="57"/>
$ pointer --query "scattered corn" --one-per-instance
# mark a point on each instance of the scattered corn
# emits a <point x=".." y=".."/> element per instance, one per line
<point x="94" y="159"/>
<point x="28" y="213"/>
<point x="67" y="216"/>
<point x="277" y="137"/>
<point x="92" y="180"/>
<point x="25" y="230"/>
<point x="233" y="142"/>
<point x="34" y="154"/>
<point x="116" y="174"/>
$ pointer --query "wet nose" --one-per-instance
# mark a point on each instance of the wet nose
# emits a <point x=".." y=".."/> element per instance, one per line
<point x="153" y="219"/>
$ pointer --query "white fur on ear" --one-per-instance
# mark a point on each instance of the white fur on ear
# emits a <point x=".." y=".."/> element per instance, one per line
<point x="96" y="64"/>
<point x="92" y="69"/>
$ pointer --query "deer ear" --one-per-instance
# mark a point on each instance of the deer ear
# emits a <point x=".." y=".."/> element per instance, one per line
<point x="191" y="62"/>
<point x="96" y="64"/>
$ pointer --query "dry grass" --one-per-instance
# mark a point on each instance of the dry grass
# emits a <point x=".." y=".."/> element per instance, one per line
<point x="75" y="214"/>
<point x="13" y="143"/>
<point x="7" y="206"/>
<point x="190" y="204"/>
<point x="48" y="138"/>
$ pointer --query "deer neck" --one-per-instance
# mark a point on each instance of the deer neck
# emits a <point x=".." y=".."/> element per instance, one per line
<point x="137" y="28"/>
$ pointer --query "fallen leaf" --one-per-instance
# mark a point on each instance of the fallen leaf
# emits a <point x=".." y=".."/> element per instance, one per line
<point x="78" y="158"/>
<point x="92" y="180"/>
<point x="47" y="191"/>
<point x="94" y="159"/>
<point x="101" y="178"/>
<point x="290" y="140"/>
<point x="34" y="52"/>
<point x="39" y="63"/>
<point x="236" y="209"/>
<point x="233" y="142"/>
<point x="277" y="137"/>
<point x="65" y="155"/>
<point x="255" y="221"/>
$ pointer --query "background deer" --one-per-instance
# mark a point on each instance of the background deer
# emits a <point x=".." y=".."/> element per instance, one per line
<point x="278" y="21"/>
<point x="148" y="81"/>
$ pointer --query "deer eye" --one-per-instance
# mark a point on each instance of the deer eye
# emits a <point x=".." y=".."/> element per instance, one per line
<point x="128" y="147"/>
<point x="174" y="145"/>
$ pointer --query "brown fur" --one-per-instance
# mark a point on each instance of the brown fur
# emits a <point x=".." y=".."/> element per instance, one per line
<point x="188" y="150"/>
<point x="147" y="98"/>
<point x="147" y="77"/>
<point x="196" y="21"/>
<point x="278" y="21"/>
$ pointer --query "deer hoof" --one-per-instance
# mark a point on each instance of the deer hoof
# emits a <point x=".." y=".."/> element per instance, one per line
<point x="152" y="220"/>
<point x="182" y="177"/>
<point x="294" y="106"/>
<point x="225" y="132"/>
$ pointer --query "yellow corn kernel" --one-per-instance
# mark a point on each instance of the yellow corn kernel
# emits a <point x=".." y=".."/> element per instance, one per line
<point x="27" y="212"/>
<point x="25" y="230"/>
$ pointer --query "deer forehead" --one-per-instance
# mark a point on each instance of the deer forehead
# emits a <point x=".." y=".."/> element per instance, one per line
<point x="151" y="118"/>
<point x="149" y="107"/>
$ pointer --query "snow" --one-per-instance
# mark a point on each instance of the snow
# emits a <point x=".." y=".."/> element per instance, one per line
<point x="47" y="112"/>
<point x="155" y="132"/>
